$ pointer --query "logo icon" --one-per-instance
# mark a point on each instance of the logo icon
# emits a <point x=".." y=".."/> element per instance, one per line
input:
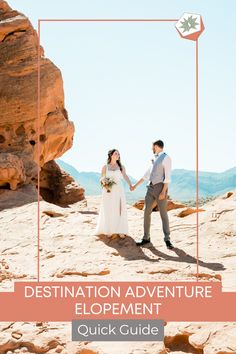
<point x="190" y="26"/>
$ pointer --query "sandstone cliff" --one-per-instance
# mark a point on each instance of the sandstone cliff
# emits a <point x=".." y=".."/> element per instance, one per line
<point x="18" y="101"/>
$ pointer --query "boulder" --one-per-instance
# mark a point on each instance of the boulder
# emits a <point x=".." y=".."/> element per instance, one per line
<point x="58" y="187"/>
<point x="171" y="205"/>
<point x="188" y="211"/>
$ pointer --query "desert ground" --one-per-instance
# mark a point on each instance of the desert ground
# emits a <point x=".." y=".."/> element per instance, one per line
<point x="69" y="250"/>
<point x="180" y="338"/>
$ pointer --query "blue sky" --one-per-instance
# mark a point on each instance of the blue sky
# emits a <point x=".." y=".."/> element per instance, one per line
<point x="127" y="84"/>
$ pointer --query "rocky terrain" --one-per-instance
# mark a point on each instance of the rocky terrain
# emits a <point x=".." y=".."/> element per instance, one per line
<point x="70" y="251"/>
<point x="55" y="337"/>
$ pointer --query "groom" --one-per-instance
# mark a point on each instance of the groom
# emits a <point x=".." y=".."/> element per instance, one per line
<point x="159" y="177"/>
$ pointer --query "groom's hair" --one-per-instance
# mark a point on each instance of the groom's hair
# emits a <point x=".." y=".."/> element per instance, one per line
<point x="159" y="143"/>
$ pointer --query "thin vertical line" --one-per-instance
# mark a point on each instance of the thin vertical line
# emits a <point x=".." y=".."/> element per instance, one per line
<point x="38" y="143"/>
<point x="197" y="163"/>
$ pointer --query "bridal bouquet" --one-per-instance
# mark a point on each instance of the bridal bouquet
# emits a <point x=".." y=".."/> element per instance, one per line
<point x="107" y="182"/>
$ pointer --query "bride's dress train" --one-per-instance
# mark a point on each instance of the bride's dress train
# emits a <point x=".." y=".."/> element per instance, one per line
<point x="113" y="217"/>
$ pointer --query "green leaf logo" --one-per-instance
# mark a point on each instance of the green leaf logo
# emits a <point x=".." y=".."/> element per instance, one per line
<point x="189" y="23"/>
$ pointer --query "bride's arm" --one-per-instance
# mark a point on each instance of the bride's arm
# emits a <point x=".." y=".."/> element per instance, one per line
<point x="103" y="173"/>
<point x="126" y="177"/>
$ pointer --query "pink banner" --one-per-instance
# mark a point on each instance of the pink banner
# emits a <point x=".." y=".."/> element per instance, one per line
<point x="171" y="301"/>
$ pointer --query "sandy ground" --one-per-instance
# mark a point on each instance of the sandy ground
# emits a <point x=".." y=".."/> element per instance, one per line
<point x="54" y="337"/>
<point x="70" y="252"/>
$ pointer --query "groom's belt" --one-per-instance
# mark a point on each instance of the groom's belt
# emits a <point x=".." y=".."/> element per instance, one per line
<point x="154" y="184"/>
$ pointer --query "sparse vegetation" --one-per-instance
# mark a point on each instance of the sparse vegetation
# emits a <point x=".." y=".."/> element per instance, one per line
<point x="201" y="201"/>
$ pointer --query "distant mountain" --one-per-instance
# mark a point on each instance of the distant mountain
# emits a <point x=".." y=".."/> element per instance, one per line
<point x="183" y="183"/>
<point x="90" y="182"/>
<point x="182" y="187"/>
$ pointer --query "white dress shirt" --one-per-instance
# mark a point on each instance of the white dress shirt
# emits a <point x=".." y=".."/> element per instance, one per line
<point x="167" y="167"/>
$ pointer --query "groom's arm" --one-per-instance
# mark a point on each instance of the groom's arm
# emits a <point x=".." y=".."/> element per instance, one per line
<point x="138" y="183"/>
<point x="167" y="168"/>
<point x="162" y="195"/>
<point x="143" y="179"/>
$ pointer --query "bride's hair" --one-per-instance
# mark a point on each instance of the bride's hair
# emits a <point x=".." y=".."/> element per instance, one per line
<point x="110" y="153"/>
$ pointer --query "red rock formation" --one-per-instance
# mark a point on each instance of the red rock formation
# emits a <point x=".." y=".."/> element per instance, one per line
<point x="170" y="206"/>
<point x="228" y="195"/>
<point x="18" y="102"/>
<point x="188" y="211"/>
<point x="58" y="187"/>
<point x="12" y="170"/>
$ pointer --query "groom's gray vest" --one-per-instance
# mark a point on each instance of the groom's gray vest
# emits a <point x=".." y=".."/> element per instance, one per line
<point x="158" y="171"/>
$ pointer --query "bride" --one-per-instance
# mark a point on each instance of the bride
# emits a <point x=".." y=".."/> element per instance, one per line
<point x="113" y="213"/>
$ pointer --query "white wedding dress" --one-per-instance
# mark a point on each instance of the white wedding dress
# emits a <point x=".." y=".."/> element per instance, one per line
<point x="113" y="217"/>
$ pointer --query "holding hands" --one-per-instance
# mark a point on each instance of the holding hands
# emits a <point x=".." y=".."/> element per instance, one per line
<point x="132" y="187"/>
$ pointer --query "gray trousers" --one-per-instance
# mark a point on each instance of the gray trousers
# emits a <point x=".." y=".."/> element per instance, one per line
<point x="152" y="195"/>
